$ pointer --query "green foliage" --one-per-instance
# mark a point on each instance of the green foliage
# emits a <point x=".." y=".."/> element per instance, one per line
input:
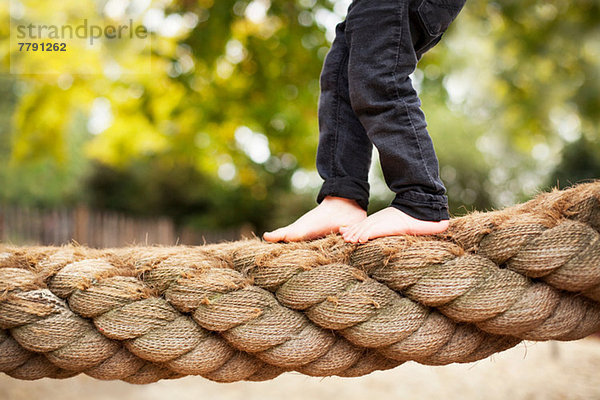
<point x="50" y="180"/>
<point x="580" y="162"/>
<point x="157" y="186"/>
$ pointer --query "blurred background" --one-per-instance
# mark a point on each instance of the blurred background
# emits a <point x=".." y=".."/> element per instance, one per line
<point x="531" y="371"/>
<point x="219" y="140"/>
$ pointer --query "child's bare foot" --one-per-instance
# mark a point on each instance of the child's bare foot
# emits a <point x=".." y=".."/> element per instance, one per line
<point x="326" y="218"/>
<point x="387" y="222"/>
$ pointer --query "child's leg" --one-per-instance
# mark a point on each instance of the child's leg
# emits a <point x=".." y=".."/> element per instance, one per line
<point x="386" y="38"/>
<point x="343" y="156"/>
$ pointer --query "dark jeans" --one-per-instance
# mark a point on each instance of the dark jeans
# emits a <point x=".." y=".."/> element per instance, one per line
<point x="367" y="98"/>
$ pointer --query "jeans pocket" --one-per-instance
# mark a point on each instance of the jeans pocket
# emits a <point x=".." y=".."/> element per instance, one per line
<point x="436" y="15"/>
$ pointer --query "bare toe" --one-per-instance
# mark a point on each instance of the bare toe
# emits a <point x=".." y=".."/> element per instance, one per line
<point x="364" y="236"/>
<point x="275" y="236"/>
<point x="353" y="232"/>
<point x="326" y="218"/>
<point x="347" y="234"/>
<point x="296" y="236"/>
<point x="388" y="222"/>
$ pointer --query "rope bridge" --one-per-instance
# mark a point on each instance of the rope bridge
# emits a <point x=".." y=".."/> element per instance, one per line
<point x="250" y="310"/>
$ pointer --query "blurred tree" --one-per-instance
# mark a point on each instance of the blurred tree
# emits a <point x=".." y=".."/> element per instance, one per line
<point x="580" y="162"/>
<point x="156" y="186"/>
<point x="528" y="72"/>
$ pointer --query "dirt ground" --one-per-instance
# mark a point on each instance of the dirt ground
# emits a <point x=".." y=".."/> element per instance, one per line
<point x="529" y="371"/>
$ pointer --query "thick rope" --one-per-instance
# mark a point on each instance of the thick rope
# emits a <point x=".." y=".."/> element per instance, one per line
<point x="251" y="310"/>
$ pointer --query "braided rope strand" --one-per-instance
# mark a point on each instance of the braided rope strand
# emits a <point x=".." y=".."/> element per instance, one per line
<point x="250" y="310"/>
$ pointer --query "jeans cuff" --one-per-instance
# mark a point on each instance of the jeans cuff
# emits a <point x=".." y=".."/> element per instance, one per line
<point x="348" y="188"/>
<point x="422" y="206"/>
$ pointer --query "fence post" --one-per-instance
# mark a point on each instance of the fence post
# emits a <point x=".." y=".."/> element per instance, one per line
<point x="80" y="224"/>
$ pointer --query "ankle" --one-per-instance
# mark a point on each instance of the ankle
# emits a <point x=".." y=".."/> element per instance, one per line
<point x="334" y="200"/>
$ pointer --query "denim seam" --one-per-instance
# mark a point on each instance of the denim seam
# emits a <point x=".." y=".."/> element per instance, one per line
<point x="334" y="187"/>
<point x="401" y="100"/>
<point x="431" y="182"/>
<point x="337" y="96"/>
<point x="427" y="203"/>
<point x="418" y="196"/>
<point x="394" y="76"/>
<point x="434" y="215"/>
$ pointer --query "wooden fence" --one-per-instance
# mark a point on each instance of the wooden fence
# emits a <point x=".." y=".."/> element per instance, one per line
<point x="29" y="226"/>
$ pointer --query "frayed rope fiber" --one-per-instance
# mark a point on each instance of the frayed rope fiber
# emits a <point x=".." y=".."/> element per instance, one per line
<point x="250" y="310"/>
